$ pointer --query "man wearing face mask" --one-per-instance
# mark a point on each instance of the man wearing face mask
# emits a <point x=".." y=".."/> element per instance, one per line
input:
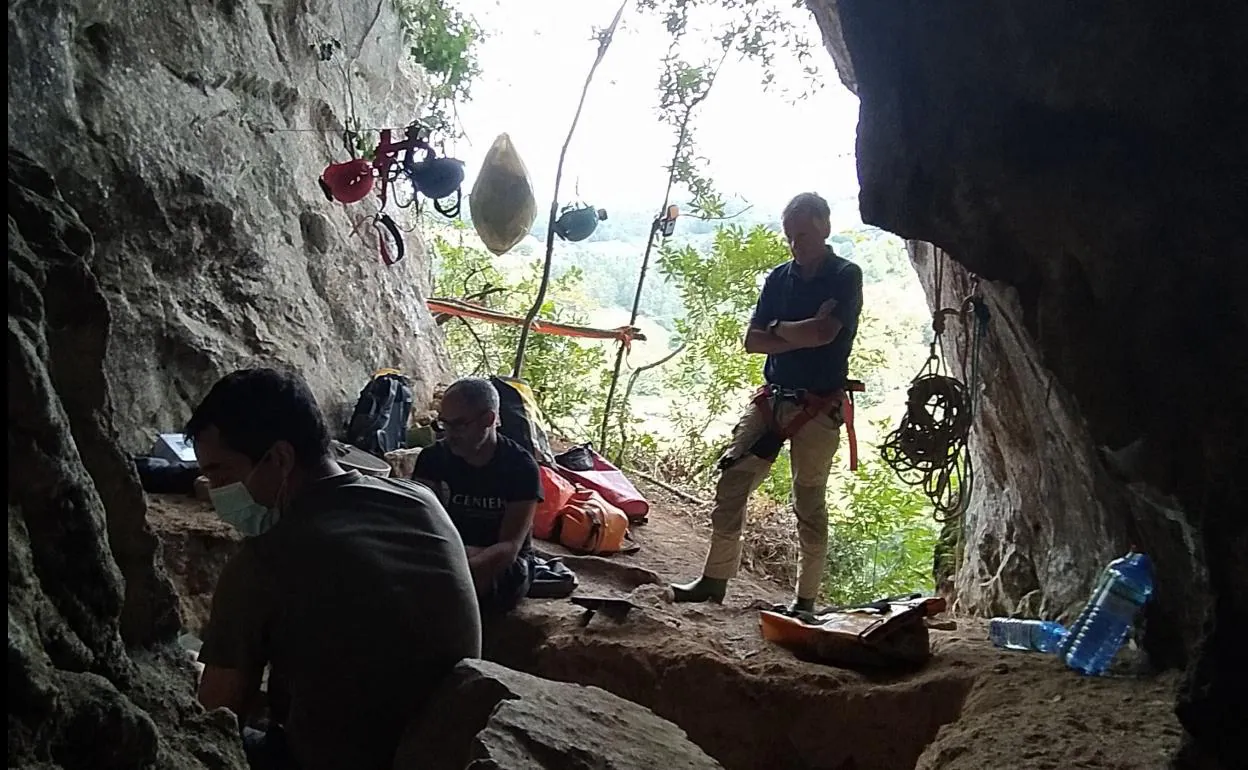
<point x="354" y="590"/>
<point x="490" y="486"/>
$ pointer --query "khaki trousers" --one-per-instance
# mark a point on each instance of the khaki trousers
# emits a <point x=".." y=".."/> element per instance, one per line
<point x="811" y="452"/>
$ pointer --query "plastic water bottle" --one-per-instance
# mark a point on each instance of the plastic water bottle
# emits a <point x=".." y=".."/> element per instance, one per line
<point x="1102" y="626"/>
<point x="1020" y="634"/>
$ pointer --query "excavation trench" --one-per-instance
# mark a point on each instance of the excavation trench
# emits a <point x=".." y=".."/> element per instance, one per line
<point x="752" y="705"/>
<point x="747" y="713"/>
<point x="703" y="668"/>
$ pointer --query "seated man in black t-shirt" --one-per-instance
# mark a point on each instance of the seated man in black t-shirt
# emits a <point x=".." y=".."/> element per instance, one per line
<point x="490" y="486"/>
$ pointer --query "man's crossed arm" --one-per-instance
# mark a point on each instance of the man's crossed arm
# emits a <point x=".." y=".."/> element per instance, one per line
<point x="816" y="331"/>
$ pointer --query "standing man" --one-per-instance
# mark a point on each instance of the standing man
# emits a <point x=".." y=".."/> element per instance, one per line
<point x="490" y="486"/>
<point x="355" y="590"/>
<point x="805" y="323"/>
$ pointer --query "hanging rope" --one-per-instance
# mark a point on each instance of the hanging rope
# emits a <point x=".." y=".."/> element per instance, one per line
<point x="929" y="447"/>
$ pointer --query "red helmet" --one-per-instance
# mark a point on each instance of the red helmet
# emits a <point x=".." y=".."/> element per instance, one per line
<point x="347" y="182"/>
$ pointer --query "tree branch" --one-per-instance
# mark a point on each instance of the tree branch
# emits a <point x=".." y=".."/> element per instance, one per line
<point x="628" y="392"/>
<point x="682" y="138"/>
<point x="485" y="355"/>
<point x="604" y="42"/>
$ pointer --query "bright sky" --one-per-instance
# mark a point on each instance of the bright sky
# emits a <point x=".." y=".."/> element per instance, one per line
<point x="761" y="146"/>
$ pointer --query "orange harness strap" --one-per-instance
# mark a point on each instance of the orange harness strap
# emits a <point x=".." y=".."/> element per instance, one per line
<point x="847" y="417"/>
<point x="811" y="406"/>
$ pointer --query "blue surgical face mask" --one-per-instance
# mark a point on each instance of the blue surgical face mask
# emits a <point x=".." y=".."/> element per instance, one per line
<point x="236" y="507"/>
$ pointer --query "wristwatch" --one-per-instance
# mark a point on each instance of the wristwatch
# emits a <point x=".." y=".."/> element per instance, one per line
<point x="771" y="327"/>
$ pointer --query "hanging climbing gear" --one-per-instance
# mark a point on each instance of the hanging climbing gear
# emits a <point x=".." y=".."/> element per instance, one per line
<point x="578" y="222"/>
<point x="665" y="224"/>
<point x="436" y="178"/>
<point x="929" y="447"/>
<point x="389" y="239"/>
<point x="502" y="204"/>
<point x="813" y="404"/>
<point x="348" y="182"/>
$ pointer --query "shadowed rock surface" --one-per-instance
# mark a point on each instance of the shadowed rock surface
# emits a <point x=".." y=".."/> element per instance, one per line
<point x="77" y="698"/>
<point x="488" y="716"/>
<point x="190" y="138"/>
<point x="1088" y="162"/>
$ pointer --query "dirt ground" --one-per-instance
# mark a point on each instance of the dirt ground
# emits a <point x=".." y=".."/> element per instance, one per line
<point x="753" y="705"/>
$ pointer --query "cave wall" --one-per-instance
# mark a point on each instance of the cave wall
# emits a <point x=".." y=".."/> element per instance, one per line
<point x="1088" y="162"/>
<point x="1051" y="507"/>
<point x="93" y="679"/>
<point x="189" y="138"/>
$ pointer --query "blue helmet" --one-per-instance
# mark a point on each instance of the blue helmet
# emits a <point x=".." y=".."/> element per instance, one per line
<point x="577" y="223"/>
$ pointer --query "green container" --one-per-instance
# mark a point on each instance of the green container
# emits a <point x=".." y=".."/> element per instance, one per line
<point x="420" y="436"/>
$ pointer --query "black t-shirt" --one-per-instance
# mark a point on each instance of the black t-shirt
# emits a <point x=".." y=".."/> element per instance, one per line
<point x="476" y="499"/>
<point x="361" y="600"/>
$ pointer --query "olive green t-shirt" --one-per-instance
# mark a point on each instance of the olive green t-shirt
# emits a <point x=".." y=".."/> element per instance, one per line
<point x="361" y="600"/>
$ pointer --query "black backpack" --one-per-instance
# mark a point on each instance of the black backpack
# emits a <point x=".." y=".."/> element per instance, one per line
<point x="520" y="419"/>
<point x="379" y="423"/>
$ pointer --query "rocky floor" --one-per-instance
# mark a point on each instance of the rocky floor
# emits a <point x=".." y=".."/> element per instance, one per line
<point x="752" y="705"/>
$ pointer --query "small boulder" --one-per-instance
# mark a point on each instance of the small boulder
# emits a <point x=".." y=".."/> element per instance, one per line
<point x="489" y="716"/>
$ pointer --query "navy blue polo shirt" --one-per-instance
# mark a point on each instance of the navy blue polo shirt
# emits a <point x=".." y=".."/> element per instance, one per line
<point x="787" y="296"/>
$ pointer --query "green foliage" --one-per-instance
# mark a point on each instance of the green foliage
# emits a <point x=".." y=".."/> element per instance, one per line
<point x="758" y="30"/>
<point x="443" y="41"/>
<point x="718" y="290"/>
<point x="565" y="374"/>
<point x="708" y="280"/>
<point x="881" y="536"/>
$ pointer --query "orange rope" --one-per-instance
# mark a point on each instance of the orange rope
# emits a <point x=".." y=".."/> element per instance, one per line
<point x="462" y="309"/>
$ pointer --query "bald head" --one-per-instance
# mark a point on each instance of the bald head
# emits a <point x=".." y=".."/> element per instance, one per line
<point x="469" y="416"/>
<point x="474" y="393"/>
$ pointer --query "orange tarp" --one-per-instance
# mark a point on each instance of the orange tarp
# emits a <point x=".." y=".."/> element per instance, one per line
<point x="462" y="309"/>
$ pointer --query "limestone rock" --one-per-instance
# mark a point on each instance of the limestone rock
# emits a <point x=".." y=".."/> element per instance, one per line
<point x="488" y="716"/>
<point x="1089" y="164"/>
<point x="190" y="138"/>
<point x="77" y="697"/>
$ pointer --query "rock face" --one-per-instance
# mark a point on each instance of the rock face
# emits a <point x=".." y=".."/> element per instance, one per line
<point x="487" y="716"/>
<point x="1050" y="507"/>
<point x="1089" y="165"/>
<point x="190" y="138"/>
<point x="77" y="698"/>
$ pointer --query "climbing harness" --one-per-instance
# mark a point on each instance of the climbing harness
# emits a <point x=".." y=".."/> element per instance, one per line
<point x="929" y="447"/>
<point x="768" y="445"/>
<point x="412" y="157"/>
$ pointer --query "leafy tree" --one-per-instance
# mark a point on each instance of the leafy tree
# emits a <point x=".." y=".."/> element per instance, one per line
<point x="880" y="539"/>
<point x="564" y="373"/>
<point x="443" y="41"/>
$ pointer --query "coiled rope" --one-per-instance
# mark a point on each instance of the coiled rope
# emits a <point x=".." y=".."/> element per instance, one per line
<point x="929" y="447"/>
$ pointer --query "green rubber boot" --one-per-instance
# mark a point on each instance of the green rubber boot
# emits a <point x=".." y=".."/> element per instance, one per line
<point x="703" y="589"/>
<point x="802" y="605"/>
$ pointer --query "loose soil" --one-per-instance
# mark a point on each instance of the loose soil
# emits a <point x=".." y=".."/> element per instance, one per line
<point x="753" y="705"/>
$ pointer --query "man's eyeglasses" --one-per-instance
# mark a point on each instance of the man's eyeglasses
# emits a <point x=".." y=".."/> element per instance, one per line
<point x="442" y="426"/>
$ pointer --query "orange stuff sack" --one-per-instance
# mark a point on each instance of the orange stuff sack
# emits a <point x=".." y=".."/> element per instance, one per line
<point x="556" y="492"/>
<point x="589" y="524"/>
